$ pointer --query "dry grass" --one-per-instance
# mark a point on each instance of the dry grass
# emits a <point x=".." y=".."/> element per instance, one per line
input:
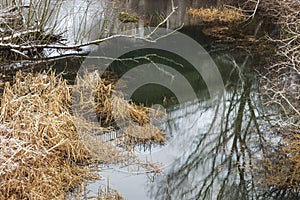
<point x="215" y="15"/>
<point x="42" y="156"/>
<point x="113" y="110"/>
<point x="103" y="193"/>
<point x="280" y="169"/>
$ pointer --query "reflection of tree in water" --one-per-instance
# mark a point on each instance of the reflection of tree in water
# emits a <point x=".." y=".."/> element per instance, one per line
<point x="222" y="163"/>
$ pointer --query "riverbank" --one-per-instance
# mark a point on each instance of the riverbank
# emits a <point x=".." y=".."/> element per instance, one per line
<point x="280" y="90"/>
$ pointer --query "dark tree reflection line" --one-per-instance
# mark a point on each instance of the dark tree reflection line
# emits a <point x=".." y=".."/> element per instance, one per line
<point x="225" y="159"/>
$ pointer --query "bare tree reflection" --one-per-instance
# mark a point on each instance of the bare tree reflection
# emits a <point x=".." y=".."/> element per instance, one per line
<point x="220" y="164"/>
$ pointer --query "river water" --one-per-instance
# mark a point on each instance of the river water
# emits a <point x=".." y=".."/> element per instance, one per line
<point x="213" y="151"/>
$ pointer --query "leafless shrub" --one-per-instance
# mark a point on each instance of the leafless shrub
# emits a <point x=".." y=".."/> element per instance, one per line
<point x="281" y="82"/>
<point x="281" y="94"/>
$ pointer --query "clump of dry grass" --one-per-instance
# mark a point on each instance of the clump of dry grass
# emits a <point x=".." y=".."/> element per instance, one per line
<point x="103" y="193"/>
<point x="112" y="110"/>
<point x="42" y="154"/>
<point x="280" y="166"/>
<point x="215" y="15"/>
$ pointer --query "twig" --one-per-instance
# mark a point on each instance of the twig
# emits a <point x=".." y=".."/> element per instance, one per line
<point x="18" y="34"/>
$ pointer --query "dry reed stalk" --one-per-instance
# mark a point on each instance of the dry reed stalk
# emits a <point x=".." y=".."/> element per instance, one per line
<point x="10" y="17"/>
<point x="104" y="193"/>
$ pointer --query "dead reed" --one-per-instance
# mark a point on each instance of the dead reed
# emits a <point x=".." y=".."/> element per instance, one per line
<point x="215" y="15"/>
<point x="112" y="109"/>
<point x="103" y="193"/>
<point x="280" y="168"/>
<point x="42" y="155"/>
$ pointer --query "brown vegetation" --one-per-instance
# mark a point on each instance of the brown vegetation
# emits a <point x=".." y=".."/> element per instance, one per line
<point x="281" y="168"/>
<point x="215" y="15"/>
<point x="42" y="155"/>
<point x="281" y="92"/>
<point x="113" y="110"/>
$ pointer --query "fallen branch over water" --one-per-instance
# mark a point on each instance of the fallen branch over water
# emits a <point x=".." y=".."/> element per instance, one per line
<point x="64" y="47"/>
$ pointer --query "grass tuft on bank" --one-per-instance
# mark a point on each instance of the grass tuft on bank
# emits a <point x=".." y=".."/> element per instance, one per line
<point x="42" y="154"/>
<point x="217" y="15"/>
